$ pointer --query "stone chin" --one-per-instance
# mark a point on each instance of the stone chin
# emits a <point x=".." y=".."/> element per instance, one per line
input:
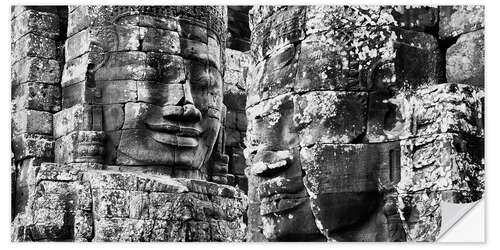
<point x="182" y="147"/>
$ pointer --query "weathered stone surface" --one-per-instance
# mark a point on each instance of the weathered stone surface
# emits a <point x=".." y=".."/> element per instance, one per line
<point x="33" y="69"/>
<point x="123" y="202"/>
<point x="112" y="92"/>
<point x="79" y="93"/>
<point x="429" y="110"/>
<point x="75" y="70"/>
<point x="80" y="146"/>
<point x="465" y="59"/>
<point x="32" y="45"/>
<point x="284" y="28"/>
<point x="346" y="60"/>
<point x="271" y="125"/>
<point x="419" y="18"/>
<point x="418" y="61"/>
<point x="460" y="19"/>
<point x="77" y="118"/>
<point x="423" y="215"/>
<point x="32" y="122"/>
<point x="460" y="109"/>
<point x="343" y="180"/>
<point x="32" y="21"/>
<point x="234" y="97"/>
<point x="36" y="96"/>
<point x="320" y="117"/>
<point x="443" y="162"/>
<point x="113" y="117"/>
<point x="160" y="40"/>
<point x="32" y="145"/>
<point x="389" y="116"/>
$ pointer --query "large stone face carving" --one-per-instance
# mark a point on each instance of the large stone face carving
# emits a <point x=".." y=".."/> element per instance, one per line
<point x="339" y="125"/>
<point x="139" y="142"/>
<point x="157" y="73"/>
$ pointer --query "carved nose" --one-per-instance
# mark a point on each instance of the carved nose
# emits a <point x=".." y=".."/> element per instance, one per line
<point x="184" y="110"/>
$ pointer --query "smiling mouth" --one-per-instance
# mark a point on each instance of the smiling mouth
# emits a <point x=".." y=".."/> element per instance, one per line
<point x="181" y="136"/>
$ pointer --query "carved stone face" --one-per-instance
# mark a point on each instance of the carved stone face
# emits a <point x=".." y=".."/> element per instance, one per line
<point x="307" y="110"/>
<point x="161" y="91"/>
<point x="178" y="127"/>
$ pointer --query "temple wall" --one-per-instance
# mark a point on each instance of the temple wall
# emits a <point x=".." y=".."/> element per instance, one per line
<point x="339" y="123"/>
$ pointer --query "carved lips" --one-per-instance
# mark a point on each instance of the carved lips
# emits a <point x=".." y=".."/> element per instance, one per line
<point x="175" y="134"/>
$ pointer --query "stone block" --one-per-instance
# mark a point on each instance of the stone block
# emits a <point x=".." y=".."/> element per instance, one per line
<point x="32" y="122"/>
<point x="418" y="61"/>
<point x="389" y="116"/>
<point x="108" y="203"/>
<point x="289" y="219"/>
<point x="418" y="18"/>
<point x="80" y="146"/>
<point x="32" y="21"/>
<point x="342" y="181"/>
<point x="448" y="108"/>
<point x="443" y="162"/>
<point x="79" y="93"/>
<point x="83" y="226"/>
<point x="76" y="70"/>
<point x="252" y="85"/>
<point x="32" y="45"/>
<point x="102" y="40"/>
<point x="194" y="50"/>
<point x="423" y="215"/>
<point x="465" y="59"/>
<point x="63" y="201"/>
<point x="164" y="68"/>
<point x="127" y="65"/>
<point x="271" y="124"/>
<point x="57" y="178"/>
<point x="16" y="10"/>
<point x="428" y="110"/>
<point x="278" y="81"/>
<point x="139" y="205"/>
<point x="193" y="30"/>
<point x="159" y="94"/>
<point x="37" y="96"/>
<point x="122" y="229"/>
<point x="234" y="77"/>
<point x="321" y="117"/>
<point x="34" y="69"/>
<point x="355" y="59"/>
<point x="286" y="27"/>
<point x="52" y="224"/>
<point x="77" y="118"/>
<point x="254" y="229"/>
<point x="113" y="92"/>
<point x="227" y="231"/>
<point x="237" y="162"/>
<point x="460" y="19"/>
<point x="113" y="117"/>
<point x="160" y="40"/>
<point x="33" y="145"/>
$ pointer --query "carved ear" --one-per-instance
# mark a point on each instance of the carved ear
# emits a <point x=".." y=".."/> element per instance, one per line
<point x="218" y="163"/>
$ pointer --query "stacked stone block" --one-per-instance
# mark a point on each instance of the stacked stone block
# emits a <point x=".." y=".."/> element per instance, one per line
<point x="353" y="133"/>
<point x="35" y="77"/>
<point x="464" y="58"/>
<point x="235" y="127"/>
<point x="237" y="27"/>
